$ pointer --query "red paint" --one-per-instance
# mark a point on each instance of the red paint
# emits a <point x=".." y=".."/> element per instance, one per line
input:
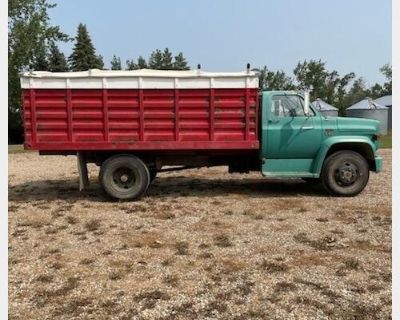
<point x="212" y="111"/>
<point x="69" y="116"/>
<point x="105" y="116"/>
<point x="145" y="119"/>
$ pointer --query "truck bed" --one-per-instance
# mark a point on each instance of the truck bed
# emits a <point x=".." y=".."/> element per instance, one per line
<point x="186" y="117"/>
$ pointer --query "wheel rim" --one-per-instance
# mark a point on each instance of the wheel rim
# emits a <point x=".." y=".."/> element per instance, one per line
<point x="124" y="178"/>
<point x="346" y="174"/>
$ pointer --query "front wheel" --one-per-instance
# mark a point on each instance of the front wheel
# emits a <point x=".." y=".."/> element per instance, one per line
<point x="124" y="177"/>
<point x="345" y="173"/>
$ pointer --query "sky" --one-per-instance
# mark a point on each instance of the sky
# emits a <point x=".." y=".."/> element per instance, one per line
<point x="223" y="35"/>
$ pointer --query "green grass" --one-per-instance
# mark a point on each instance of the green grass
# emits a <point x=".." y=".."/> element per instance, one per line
<point x="16" y="148"/>
<point x="386" y="141"/>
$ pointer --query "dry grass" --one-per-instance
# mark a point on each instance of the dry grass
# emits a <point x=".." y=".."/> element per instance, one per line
<point x="201" y="244"/>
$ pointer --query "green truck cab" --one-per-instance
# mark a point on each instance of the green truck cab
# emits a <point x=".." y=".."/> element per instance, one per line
<point x="298" y="142"/>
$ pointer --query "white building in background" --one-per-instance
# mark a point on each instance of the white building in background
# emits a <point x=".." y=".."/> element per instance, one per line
<point x="325" y="108"/>
<point x="387" y="102"/>
<point x="369" y="109"/>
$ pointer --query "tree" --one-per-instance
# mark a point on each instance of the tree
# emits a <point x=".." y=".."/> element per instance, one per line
<point x="40" y="62"/>
<point x="327" y="85"/>
<point x="166" y="63"/>
<point x="312" y="74"/>
<point x="180" y="62"/>
<point x="141" y="63"/>
<point x="386" y="70"/>
<point x="116" y="63"/>
<point x="83" y="55"/>
<point x="341" y="91"/>
<point x="376" y="91"/>
<point x="29" y="35"/>
<point x="163" y="60"/>
<point x="357" y="92"/>
<point x="100" y="62"/>
<point x="132" y="65"/>
<point x="270" y="80"/>
<point x="156" y="60"/>
<point x="57" y="61"/>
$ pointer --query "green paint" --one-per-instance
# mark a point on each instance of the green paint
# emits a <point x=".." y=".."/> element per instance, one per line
<point x="288" y="168"/>
<point x="378" y="163"/>
<point x="296" y="145"/>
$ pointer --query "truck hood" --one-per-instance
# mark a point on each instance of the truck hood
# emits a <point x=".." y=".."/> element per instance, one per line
<point x="357" y="125"/>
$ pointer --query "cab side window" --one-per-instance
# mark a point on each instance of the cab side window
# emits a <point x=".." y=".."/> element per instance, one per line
<point x="287" y="106"/>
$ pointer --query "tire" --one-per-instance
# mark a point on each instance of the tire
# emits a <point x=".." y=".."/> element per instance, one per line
<point x="345" y="173"/>
<point x="124" y="177"/>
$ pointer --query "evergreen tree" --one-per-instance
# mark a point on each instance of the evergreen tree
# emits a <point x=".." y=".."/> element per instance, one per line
<point x="40" y="62"/>
<point x="166" y="60"/>
<point x="156" y="60"/>
<point x="180" y="62"/>
<point x="100" y="62"/>
<point x="141" y="63"/>
<point x="116" y="63"/>
<point x="84" y="56"/>
<point x="57" y="61"/>
<point x="131" y="65"/>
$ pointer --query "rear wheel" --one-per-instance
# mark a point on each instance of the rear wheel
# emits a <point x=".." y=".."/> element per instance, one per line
<point x="124" y="177"/>
<point x="345" y="173"/>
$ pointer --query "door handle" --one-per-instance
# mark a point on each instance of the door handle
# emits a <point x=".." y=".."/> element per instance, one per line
<point x="307" y="128"/>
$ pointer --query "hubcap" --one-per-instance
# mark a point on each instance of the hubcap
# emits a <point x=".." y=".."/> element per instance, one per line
<point x="124" y="178"/>
<point x="346" y="174"/>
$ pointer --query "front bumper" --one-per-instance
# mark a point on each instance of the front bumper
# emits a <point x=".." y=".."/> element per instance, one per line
<point x="378" y="164"/>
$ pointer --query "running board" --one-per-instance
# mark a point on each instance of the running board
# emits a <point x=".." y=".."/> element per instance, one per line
<point x="289" y="168"/>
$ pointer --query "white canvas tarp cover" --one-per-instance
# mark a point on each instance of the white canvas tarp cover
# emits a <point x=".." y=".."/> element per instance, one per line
<point x="138" y="79"/>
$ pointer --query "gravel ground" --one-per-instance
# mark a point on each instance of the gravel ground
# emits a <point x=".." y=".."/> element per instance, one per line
<point x="202" y="244"/>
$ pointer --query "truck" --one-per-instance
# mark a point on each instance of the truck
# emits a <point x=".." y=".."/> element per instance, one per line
<point x="135" y="124"/>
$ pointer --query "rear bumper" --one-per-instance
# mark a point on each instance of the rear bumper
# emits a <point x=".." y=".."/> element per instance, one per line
<point x="378" y="164"/>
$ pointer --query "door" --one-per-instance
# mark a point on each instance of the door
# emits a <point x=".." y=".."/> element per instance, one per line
<point x="289" y="133"/>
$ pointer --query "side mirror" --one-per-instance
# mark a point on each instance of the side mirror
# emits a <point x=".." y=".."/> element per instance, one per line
<point x="307" y="102"/>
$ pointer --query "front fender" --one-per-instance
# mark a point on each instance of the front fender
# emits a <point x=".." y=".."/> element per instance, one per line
<point x="347" y="142"/>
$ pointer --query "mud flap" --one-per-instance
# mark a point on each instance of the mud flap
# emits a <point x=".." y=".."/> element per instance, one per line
<point x="83" y="171"/>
